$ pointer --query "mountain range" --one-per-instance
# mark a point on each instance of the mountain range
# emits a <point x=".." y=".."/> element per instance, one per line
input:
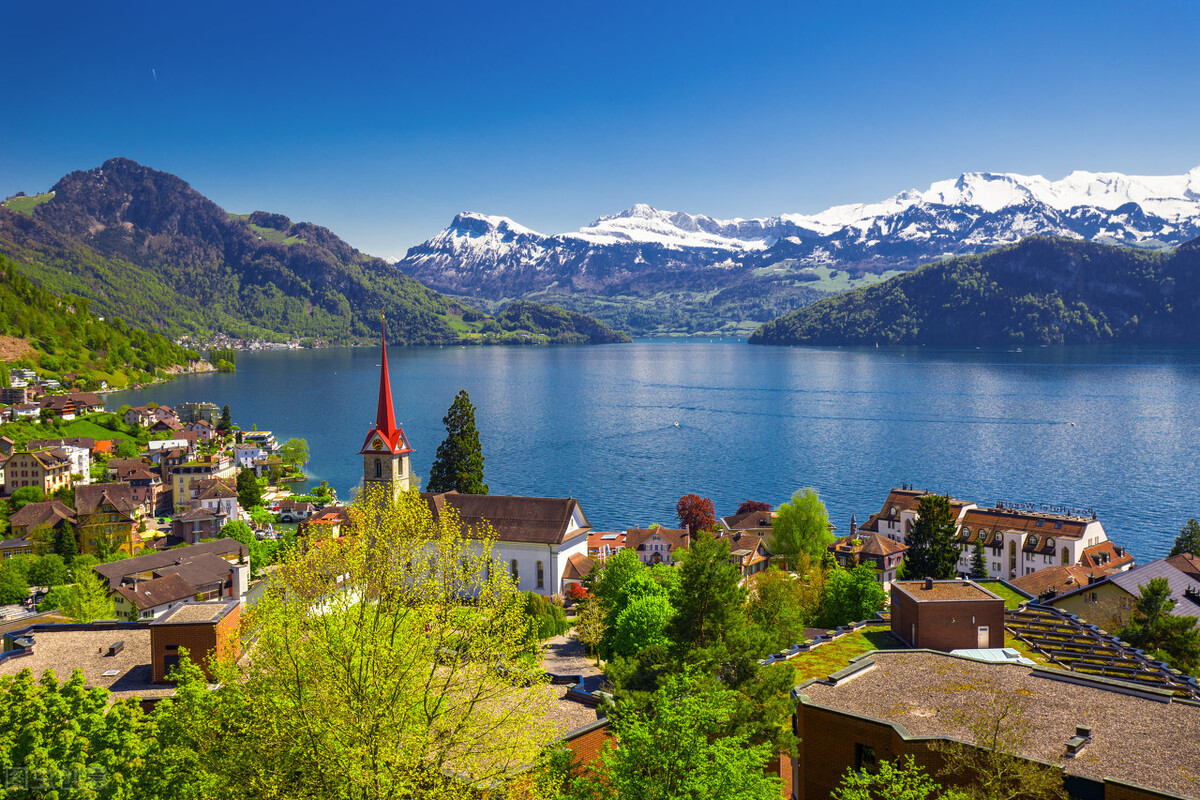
<point x="643" y="267"/>
<point x="146" y="247"/>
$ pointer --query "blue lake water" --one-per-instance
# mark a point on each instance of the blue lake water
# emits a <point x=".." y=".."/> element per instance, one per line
<point x="630" y="428"/>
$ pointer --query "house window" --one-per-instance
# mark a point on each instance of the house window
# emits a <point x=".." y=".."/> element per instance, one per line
<point x="541" y="584"/>
<point x="864" y="759"/>
<point x="516" y="577"/>
<point x="378" y="468"/>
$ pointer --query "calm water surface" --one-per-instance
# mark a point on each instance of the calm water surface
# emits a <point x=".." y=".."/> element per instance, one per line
<point x="629" y="428"/>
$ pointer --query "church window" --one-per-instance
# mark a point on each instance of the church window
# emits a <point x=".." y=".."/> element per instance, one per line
<point x="516" y="578"/>
<point x="378" y="468"/>
<point x="541" y="584"/>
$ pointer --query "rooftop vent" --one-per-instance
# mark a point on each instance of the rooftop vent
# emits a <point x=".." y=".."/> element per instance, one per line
<point x="929" y="583"/>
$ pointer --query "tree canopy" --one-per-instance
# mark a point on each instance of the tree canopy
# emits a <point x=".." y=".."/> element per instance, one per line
<point x="801" y="527"/>
<point x="696" y="513"/>
<point x="932" y="551"/>
<point x="458" y="463"/>
<point x="850" y="596"/>
<point x="249" y="491"/>
<point x="1188" y="540"/>
<point x="1156" y="630"/>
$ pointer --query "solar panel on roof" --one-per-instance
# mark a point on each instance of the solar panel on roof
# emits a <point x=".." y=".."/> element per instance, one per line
<point x="609" y="536"/>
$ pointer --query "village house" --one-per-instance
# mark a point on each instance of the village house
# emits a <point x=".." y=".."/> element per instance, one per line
<point x="108" y="519"/>
<point x="200" y="572"/>
<point x="7" y="445"/>
<point x="195" y="412"/>
<point x="142" y="416"/>
<point x="1108" y="602"/>
<point x="216" y="494"/>
<point x="49" y="470"/>
<point x="15" y="395"/>
<point x="49" y="515"/>
<point x="11" y="548"/>
<point x="246" y="453"/>
<point x="293" y="510"/>
<point x="325" y="524"/>
<point x="77" y="448"/>
<point x="1051" y="582"/>
<point x="203" y="429"/>
<point x="748" y="550"/>
<point x="23" y="411"/>
<point x="881" y="554"/>
<point x="197" y="524"/>
<point x="70" y="406"/>
<point x="656" y="545"/>
<point x="264" y="439"/>
<point x="184" y="475"/>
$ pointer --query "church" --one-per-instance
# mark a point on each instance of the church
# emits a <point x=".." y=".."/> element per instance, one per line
<point x="541" y="540"/>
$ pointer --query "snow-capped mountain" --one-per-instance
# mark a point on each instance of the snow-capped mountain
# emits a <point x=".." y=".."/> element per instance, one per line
<point x="645" y="250"/>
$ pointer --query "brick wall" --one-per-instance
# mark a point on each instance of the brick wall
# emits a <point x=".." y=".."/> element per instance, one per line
<point x="585" y="745"/>
<point x="947" y="624"/>
<point x="202" y="640"/>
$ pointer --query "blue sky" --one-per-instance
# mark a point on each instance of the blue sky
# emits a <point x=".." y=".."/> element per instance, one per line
<point x="381" y="121"/>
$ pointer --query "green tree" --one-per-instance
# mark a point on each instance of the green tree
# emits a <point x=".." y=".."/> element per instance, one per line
<point x="294" y="452"/>
<point x="87" y="599"/>
<point x="850" y="596"/>
<point x="613" y="574"/>
<point x="24" y="496"/>
<point x="589" y="625"/>
<point x="979" y="569"/>
<point x="226" y="419"/>
<point x="893" y="780"/>
<point x="240" y="532"/>
<point x="643" y="623"/>
<point x="782" y="604"/>
<point x="709" y="600"/>
<point x="13" y="585"/>
<point x="127" y="448"/>
<point x="678" y="746"/>
<point x="385" y="612"/>
<point x="932" y="551"/>
<point x="800" y="527"/>
<point x="458" y="463"/>
<point x="49" y="570"/>
<point x="1188" y="540"/>
<point x="249" y="491"/>
<point x="1156" y="630"/>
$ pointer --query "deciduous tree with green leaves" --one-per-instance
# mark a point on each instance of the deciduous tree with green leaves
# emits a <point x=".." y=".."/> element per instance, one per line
<point x="294" y="452"/>
<point x="87" y="599"/>
<point x="900" y="779"/>
<point x="458" y="463"/>
<point x="850" y="596"/>
<point x="679" y="745"/>
<point x="782" y="604"/>
<point x="932" y="551"/>
<point x="800" y="527"/>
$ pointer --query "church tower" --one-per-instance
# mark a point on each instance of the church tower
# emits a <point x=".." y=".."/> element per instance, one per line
<point x="385" y="451"/>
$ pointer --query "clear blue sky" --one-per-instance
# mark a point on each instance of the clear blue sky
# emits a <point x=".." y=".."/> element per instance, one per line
<point x="382" y="121"/>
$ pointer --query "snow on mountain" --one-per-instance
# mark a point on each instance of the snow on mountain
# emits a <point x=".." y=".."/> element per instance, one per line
<point x="646" y="247"/>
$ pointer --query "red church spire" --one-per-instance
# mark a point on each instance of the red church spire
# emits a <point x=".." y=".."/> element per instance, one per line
<point x="386" y="436"/>
<point x="385" y="417"/>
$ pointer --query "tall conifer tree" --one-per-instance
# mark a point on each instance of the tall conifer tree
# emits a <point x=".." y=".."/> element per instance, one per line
<point x="458" y="464"/>
<point x="932" y="551"/>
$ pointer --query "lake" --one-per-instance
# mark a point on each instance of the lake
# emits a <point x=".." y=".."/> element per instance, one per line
<point x="630" y="428"/>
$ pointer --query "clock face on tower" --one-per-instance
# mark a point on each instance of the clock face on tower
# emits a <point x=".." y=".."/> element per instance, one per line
<point x="377" y="444"/>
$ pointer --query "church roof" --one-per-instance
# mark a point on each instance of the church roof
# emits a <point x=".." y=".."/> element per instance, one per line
<point x="536" y="520"/>
<point x="387" y="436"/>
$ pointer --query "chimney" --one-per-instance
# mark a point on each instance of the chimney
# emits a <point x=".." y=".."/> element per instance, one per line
<point x="928" y="584"/>
<point x="1083" y="735"/>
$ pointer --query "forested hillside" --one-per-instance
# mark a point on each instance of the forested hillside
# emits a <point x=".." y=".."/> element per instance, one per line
<point x="1039" y="291"/>
<point x="59" y="336"/>
<point x="560" y="326"/>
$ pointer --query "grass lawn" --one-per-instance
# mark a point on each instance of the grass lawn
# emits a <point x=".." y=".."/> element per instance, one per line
<point x="829" y="658"/>
<point x="1011" y="599"/>
<point x="26" y="205"/>
<point x="85" y="427"/>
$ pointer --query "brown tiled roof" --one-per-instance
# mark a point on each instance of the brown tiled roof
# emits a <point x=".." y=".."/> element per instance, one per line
<point x="1187" y="563"/>
<point x="72" y="441"/>
<point x="1105" y="557"/>
<point x="217" y="491"/>
<point x="636" y="538"/>
<point x="121" y="466"/>
<point x="578" y="566"/>
<point x="909" y="499"/>
<point x="201" y="571"/>
<point x="120" y="494"/>
<point x="199" y="514"/>
<point x="749" y="519"/>
<point x="540" y="520"/>
<point x="49" y="512"/>
<point x="996" y="519"/>
<point x="156" y="562"/>
<point x="157" y="591"/>
<point x="1055" y="580"/>
<point x="49" y="457"/>
<point x="876" y="545"/>
<point x="292" y="504"/>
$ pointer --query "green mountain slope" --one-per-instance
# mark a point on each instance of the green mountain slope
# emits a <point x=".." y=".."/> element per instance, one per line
<point x="559" y="325"/>
<point x="60" y="337"/>
<point x="146" y="247"/>
<point x="1039" y="291"/>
